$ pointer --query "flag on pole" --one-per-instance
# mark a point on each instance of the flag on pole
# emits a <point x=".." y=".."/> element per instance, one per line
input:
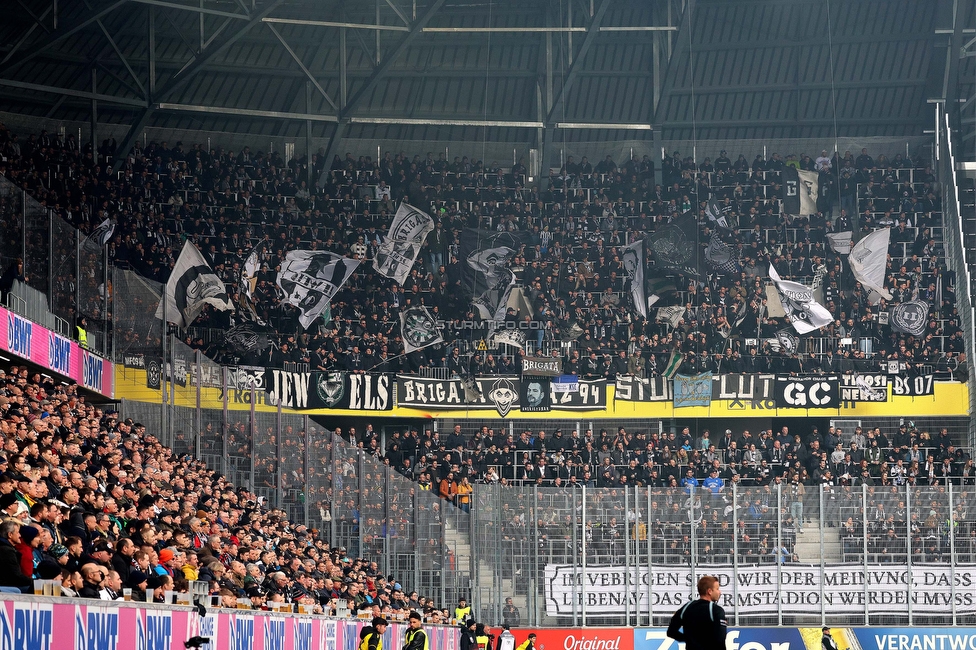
<point x="671" y="369"/>
<point x="633" y="263"/>
<point x="840" y="242"/>
<point x="801" y="189"/>
<point x="675" y="246"/>
<point x="309" y="279"/>
<point x="419" y="329"/>
<point x="192" y="285"/>
<point x="103" y="232"/>
<point x="397" y="254"/>
<point x="869" y="262"/>
<point x="799" y="305"/>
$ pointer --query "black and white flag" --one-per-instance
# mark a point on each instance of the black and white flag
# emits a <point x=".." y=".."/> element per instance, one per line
<point x="484" y="266"/>
<point x="309" y="279"/>
<point x="103" y="232"/>
<point x="715" y="212"/>
<point x="633" y="262"/>
<point x="869" y="262"/>
<point x="192" y="285"/>
<point x="397" y="254"/>
<point x="786" y="341"/>
<point x="801" y="189"/>
<point x="723" y="257"/>
<point x="513" y="338"/>
<point x="910" y="317"/>
<point x="419" y="329"/>
<point x="248" y="282"/>
<point x="246" y="338"/>
<point x="670" y="315"/>
<point x="840" y="242"/>
<point x="799" y="305"/>
<point x="675" y="246"/>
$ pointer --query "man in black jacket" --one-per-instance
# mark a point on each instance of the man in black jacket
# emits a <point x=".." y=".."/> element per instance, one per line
<point x="11" y="574"/>
<point x="701" y="624"/>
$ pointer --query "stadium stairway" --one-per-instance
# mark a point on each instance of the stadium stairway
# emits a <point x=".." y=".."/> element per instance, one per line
<point x="808" y="544"/>
<point x="482" y="578"/>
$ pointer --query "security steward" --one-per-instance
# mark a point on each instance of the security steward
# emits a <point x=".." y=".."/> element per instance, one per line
<point x="701" y="624"/>
<point x="373" y="640"/>
<point x="415" y="638"/>
<point x="462" y="612"/>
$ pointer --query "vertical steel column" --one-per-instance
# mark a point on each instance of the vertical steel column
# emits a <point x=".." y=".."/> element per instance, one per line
<point x="198" y="419"/>
<point x="779" y="554"/>
<point x="575" y="547"/>
<point x="823" y="569"/>
<point x="74" y="332"/>
<point x="151" y="51"/>
<point x="864" y="548"/>
<point x="164" y="375"/>
<point x="952" y="549"/>
<point x="360" y="471"/>
<point x="253" y="425"/>
<point x="531" y="601"/>
<point x="626" y="558"/>
<point x="416" y="538"/>
<point x="94" y="115"/>
<point x="583" y="560"/>
<point x="23" y="229"/>
<point x="225" y="425"/>
<point x="650" y="563"/>
<point x="908" y="549"/>
<point x="387" y="475"/>
<point x="106" y="350"/>
<point x="306" y="492"/>
<point x="50" y="262"/>
<point x="333" y="513"/>
<point x="735" y="550"/>
<point x="279" y="487"/>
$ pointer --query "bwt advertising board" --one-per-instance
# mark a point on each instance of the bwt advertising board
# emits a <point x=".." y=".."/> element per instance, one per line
<point x="809" y="638"/>
<point x="47" y="625"/>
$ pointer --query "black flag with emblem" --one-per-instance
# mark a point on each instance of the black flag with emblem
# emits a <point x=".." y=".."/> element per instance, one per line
<point x="675" y="246"/>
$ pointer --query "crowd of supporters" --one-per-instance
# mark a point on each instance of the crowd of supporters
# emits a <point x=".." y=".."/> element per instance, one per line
<point x="773" y="482"/>
<point x="569" y="269"/>
<point x="97" y="503"/>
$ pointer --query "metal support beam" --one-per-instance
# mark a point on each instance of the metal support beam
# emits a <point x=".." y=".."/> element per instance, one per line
<point x="181" y="78"/>
<point x="67" y="92"/>
<point x="571" y="75"/>
<point x="304" y="69"/>
<point x="37" y="20"/>
<point x="24" y="38"/>
<point x="200" y="10"/>
<point x="151" y="51"/>
<point x="396" y="10"/>
<point x="118" y="53"/>
<point x="415" y="30"/>
<point x="57" y="36"/>
<point x="681" y="44"/>
<point x="330" y="23"/>
<point x="244" y="112"/>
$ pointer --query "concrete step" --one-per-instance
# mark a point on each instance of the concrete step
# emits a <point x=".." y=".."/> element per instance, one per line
<point x="810" y="544"/>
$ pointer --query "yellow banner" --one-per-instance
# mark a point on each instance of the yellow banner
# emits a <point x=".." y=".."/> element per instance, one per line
<point x="950" y="399"/>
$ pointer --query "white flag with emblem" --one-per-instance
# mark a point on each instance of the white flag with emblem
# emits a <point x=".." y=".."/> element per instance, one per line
<point x="869" y="261"/>
<point x="800" y="307"/>
<point x="192" y="285"/>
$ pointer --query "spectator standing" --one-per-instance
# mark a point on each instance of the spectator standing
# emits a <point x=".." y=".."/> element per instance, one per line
<point x="510" y="614"/>
<point x="701" y="624"/>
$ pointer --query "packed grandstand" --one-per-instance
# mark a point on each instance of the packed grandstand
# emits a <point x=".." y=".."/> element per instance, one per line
<point x="100" y="504"/>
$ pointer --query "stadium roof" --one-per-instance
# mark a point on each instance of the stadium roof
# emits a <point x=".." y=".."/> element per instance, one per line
<point x="461" y="70"/>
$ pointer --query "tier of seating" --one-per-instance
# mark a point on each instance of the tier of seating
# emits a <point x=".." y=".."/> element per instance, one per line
<point x="569" y="270"/>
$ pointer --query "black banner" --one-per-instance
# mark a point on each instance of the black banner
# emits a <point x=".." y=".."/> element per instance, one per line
<point x="329" y="390"/>
<point x="504" y="394"/>
<point x="807" y="393"/>
<point x="134" y="360"/>
<point x="864" y="388"/>
<point x="154" y="373"/>
<point x="541" y="367"/>
<point x="534" y="395"/>
<point x="918" y="386"/>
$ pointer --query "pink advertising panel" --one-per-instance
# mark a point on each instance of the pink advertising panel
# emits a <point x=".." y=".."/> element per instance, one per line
<point x="28" y="340"/>
<point x="28" y="623"/>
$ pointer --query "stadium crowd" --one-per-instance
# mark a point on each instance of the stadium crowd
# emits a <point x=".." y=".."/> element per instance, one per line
<point x="569" y="269"/>
<point x="775" y="482"/>
<point x="97" y="503"/>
